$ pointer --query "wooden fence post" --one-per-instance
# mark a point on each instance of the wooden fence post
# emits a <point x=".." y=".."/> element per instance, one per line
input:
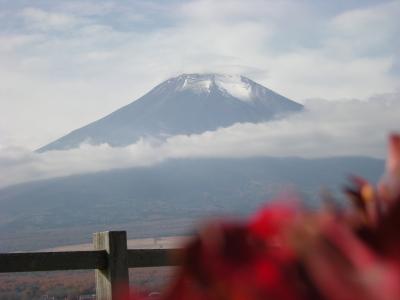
<point x="113" y="281"/>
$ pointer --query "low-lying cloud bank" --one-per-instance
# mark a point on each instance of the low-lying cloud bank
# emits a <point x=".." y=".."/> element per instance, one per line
<point x="347" y="128"/>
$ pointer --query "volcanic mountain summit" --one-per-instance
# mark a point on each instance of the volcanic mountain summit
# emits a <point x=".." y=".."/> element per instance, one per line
<point x="186" y="104"/>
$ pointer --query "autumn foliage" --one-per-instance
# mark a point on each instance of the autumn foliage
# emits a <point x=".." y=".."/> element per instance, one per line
<point x="289" y="252"/>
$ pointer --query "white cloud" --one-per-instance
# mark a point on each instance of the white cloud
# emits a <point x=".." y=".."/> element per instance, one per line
<point x="44" y="20"/>
<point x="89" y="8"/>
<point x="365" y="32"/>
<point x="335" y="79"/>
<point x="375" y="20"/>
<point x="325" y="129"/>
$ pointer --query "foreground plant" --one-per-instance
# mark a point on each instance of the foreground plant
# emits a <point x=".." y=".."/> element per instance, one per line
<point x="287" y="252"/>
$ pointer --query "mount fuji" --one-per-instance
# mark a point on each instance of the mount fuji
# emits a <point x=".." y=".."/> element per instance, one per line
<point x="167" y="198"/>
<point x="186" y="104"/>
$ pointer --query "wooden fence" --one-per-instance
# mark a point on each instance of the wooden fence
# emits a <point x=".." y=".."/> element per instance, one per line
<point x="110" y="258"/>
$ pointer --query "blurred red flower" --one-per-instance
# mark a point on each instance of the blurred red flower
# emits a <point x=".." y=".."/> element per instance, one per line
<point x="287" y="252"/>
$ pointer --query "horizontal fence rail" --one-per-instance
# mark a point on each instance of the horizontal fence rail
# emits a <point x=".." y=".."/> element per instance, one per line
<point x="111" y="260"/>
<point x="52" y="261"/>
<point x="83" y="260"/>
<point x="142" y="258"/>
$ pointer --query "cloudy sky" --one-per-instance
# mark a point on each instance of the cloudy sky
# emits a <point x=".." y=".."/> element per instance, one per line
<point x="64" y="64"/>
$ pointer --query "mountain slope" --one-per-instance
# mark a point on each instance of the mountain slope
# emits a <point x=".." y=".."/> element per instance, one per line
<point x="187" y="104"/>
<point x="153" y="200"/>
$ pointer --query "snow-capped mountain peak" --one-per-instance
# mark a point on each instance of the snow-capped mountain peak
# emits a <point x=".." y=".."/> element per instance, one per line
<point x="186" y="104"/>
<point x="234" y="85"/>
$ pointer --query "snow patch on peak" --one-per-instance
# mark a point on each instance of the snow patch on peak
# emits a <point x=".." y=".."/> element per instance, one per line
<point x="195" y="82"/>
<point x="235" y="86"/>
<point x="232" y="85"/>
